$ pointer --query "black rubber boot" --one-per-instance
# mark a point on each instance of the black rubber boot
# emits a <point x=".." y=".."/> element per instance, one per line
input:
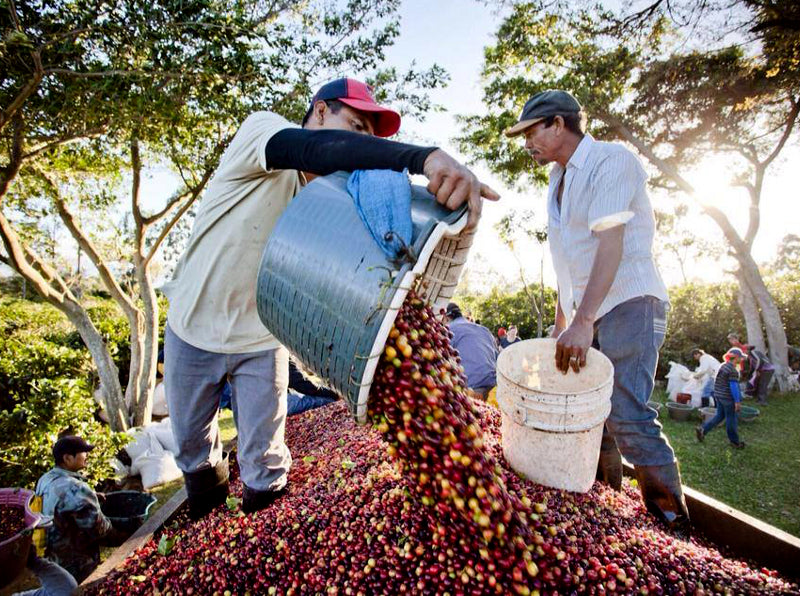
<point x="207" y="488"/>
<point x="255" y="500"/>
<point x="609" y="466"/>
<point x="662" y="494"/>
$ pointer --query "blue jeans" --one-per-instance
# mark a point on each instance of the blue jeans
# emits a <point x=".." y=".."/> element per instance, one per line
<point x="725" y="411"/>
<point x="55" y="580"/>
<point x="630" y="335"/>
<point x="708" y="388"/>
<point x="299" y="403"/>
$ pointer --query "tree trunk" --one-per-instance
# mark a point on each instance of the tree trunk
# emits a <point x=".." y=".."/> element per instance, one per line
<point x="776" y="334"/>
<point x="110" y="388"/>
<point x="136" y="324"/>
<point x="752" y="318"/>
<point x="143" y="409"/>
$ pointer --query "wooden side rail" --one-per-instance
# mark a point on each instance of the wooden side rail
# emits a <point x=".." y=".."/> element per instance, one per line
<point x="742" y="535"/>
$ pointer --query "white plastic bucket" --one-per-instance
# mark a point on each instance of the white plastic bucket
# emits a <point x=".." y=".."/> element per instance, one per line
<point x="553" y="423"/>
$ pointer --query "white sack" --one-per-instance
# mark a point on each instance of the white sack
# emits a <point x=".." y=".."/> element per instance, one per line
<point x="677" y="377"/>
<point x="160" y="401"/>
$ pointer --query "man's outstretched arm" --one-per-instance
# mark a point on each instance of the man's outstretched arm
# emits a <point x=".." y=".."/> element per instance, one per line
<point x="323" y="152"/>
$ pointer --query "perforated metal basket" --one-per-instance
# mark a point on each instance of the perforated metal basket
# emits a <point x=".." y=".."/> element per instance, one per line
<point x="329" y="294"/>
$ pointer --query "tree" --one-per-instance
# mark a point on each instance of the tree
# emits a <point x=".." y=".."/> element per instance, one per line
<point x="641" y="82"/>
<point x="499" y="309"/>
<point x="679" y="242"/>
<point x="91" y="89"/>
<point x="508" y="229"/>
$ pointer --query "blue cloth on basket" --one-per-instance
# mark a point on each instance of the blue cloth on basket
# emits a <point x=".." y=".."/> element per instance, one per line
<point x="383" y="202"/>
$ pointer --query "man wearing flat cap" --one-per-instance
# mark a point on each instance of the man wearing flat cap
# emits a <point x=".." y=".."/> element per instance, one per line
<point x="610" y="293"/>
<point x="73" y="541"/>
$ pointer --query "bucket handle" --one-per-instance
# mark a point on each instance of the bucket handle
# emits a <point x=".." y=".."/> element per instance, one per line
<point x="520" y="416"/>
<point x="40" y="523"/>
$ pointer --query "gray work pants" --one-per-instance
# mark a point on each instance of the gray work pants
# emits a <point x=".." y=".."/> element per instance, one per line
<point x="193" y="380"/>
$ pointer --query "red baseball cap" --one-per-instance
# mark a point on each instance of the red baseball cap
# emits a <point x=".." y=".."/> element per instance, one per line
<point x="358" y="96"/>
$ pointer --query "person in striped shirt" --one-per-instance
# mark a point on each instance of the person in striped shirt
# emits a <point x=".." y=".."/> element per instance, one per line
<point x="610" y="293"/>
<point x="728" y="398"/>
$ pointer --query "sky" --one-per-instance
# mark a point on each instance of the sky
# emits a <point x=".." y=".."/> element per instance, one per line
<point x="453" y="34"/>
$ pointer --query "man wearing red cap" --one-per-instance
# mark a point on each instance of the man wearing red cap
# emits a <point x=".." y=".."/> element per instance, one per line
<point x="214" y="333"/>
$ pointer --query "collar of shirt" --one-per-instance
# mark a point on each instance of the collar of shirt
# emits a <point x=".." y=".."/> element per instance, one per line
<point x="64" y="472"/>
<point x="581" y="153"/>
<point x="576" y="160"/>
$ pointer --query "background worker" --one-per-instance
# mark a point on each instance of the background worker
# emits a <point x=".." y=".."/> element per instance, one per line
<point x="706" y="371"/>
<point x="728" y="398"/>
<point x="477" y="349"/>
<point x="512" y="335"/>
<point x="759" y="369"/>
<point x="73" y="541"/>
<point x="610" y="293"/>
<point x="214" y="333"/>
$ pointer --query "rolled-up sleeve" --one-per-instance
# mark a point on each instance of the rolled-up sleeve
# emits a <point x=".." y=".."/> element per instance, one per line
<point x="615" y="183"/>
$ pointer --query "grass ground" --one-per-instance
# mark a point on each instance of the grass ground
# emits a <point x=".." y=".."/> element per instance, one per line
<point x="763" y="480"/>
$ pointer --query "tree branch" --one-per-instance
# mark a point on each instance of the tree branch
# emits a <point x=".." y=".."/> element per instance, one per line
<point x="88" y="247"/>
<point x="136" y="172"/>
<point x="17" y="259"/>
<point x="87" y="134"/>
<point x="48" y="272"/>
<point x="791" y="119"/>
<point x="195" y="193"/>
<point x="171" y="203"/>
<point x="145" y="73"/>
<point x="9" y="172"/>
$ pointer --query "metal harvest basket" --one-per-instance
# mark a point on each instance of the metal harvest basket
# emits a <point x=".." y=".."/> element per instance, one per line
<point x="330" y="295"/>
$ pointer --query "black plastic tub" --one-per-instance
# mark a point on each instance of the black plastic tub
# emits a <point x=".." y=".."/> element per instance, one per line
<point x="127" y="509"/>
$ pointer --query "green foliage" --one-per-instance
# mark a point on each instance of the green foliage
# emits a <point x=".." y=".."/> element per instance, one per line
<point x="786" y="292"/>
<point x="538" y="50"/>
<point x="498" y="309"/>
<point x="700" y="316"/>
<point x="45" y="389"/>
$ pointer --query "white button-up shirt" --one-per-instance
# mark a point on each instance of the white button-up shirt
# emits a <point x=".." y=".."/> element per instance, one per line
<point x="604" y="186"/>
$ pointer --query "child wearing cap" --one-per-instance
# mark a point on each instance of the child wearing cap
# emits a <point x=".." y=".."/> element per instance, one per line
<point x="728" y="398"/>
